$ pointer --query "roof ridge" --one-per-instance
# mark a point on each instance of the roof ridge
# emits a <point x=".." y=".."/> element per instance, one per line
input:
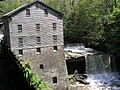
<point x="26" y="5"/>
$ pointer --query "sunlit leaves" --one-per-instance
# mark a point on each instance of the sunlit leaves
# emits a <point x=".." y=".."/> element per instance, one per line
<point x="9" y="5"/>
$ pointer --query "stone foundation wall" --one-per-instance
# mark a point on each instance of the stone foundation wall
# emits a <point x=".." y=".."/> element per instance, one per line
<point x="53" y="65"/>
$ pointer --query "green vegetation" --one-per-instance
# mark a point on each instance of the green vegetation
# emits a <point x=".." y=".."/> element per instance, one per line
<point x="33" y="79"/>
<point x="9" y="5"/>
<point x="96" y="23"/>
<point x="19" y="71"/>
<point x="93" y="22"/>
<point x="88" y="21"/>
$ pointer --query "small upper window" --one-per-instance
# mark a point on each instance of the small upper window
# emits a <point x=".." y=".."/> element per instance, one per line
<point x="37" y="27"/>
<point x="60" y="16"/>
<point x="54" y="26"/>
<point x="46" y="12"/>
<point x="21" y="52"/>
<point x="54" y="79"/>
<point x="38" y="40"/>
<point x="20" y="41"/>
<point x="19" y="28"/>
<point x="37" y="5"/>
<point x="54" y="38"/>
<point x="27" y="12"/>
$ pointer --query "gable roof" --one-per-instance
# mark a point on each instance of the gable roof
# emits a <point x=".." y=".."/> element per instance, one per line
<point x="27" y="5"/>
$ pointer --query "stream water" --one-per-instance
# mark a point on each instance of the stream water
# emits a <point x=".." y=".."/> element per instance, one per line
<point x="100" y="68"/>
<point x="104" y="81"/>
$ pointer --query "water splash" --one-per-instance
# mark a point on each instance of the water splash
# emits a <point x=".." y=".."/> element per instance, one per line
<point x="104" y="81"/>
<point x="99" y="67"/>
<point x="96" y="61"/>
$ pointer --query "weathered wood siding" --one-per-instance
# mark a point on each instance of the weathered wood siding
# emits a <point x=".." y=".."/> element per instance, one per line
<point x="29" y="32"/>
<point x="53" y="62"/>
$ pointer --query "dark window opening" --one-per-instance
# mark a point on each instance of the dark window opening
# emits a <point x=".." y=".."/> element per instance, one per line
<point x="60" y="16"/>
<point x="21" y="52"/>
<point x="19" y="28"/>
<point x="38" y="50"/>
<point x="41" y="66"/>
<point x="38" y="27"/>
<point x="55" y="48"/>
<point x="20" y="40"/>
<point x="54" y="26"/>
<point x="76" y="64"/>
<point x="27" y="12"/>
<point x="38" y="40"/>
<point x="46" y="12"/>
<point x="54" y="38"/>
<point x="54" y="79"/>
<point x="37" y="5"/>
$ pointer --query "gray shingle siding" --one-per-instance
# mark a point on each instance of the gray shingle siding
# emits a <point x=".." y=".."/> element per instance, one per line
<point x="54" y="63"/>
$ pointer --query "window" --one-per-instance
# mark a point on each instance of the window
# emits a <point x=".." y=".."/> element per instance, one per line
<point x="54" y="26"/>
<point x="19" y="28"/>
<point x="60" y="16"/>
<point x="46" y="12"/>
<point x="27" y="12"/>
<point x="20" y="41"/>
<point x="37" y="27"/>
<point x="37" y="5"/>
<point x="21" y="52"/>
<point x="54" y="79"/>
<point x="54" y="38"/>
<point x="38" y="50"/>
<point x="38" y="40"/>
<point x="55" y="48"/>
<point x="41" y="66"/>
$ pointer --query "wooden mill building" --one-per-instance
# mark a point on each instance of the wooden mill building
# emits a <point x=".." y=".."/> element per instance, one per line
<point x="34" y="32"/>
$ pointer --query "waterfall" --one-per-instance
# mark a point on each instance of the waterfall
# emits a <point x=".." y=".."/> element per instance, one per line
<point x="98" y="63"/>
<point x="99" y="68"/>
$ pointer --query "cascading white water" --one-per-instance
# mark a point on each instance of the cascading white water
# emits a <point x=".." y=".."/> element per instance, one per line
<point x="98" y="63"/>
<point x="104" y="81"/>
<point x="99" y="67"/>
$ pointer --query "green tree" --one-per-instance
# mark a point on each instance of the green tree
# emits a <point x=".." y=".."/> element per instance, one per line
<point x="93" y="22"/>
<point x="9" y="5"/>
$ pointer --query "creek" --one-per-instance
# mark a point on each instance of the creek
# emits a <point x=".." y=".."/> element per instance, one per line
<point x="100" y="68"/>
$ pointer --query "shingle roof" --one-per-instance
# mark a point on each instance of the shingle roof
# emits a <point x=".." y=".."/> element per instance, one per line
<point x="27" y="5"/>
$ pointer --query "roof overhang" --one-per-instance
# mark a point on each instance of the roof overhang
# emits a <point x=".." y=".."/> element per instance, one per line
<point x="13" y="12"/>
